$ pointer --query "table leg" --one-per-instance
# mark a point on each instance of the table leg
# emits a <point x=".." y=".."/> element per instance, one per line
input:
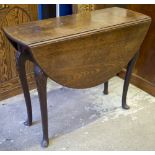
<point x="41" y="82"/>
<point x="105" y="88"/>
<point x="127" y="80"/>
<point x="20" y="62"/>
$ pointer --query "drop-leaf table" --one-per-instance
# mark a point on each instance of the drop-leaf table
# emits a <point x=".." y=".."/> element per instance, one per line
<point x="78" y="51"/>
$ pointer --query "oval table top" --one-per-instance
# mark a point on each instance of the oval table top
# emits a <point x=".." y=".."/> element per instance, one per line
<point x="83" y="50"/>
<point x="61" y="28"/>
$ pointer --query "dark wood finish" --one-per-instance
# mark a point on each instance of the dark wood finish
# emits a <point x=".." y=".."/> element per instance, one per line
<point x="21" y="58"/>
<point x="140" y="82"/>
<point x="144" y="73"/>
<point x="41" y="80"/>
<point x="82" y="70"/>
<point x="105" y="91"/>
<point x="80" y="51"/>
<point x="9" y="80"/>
<point x="77" y="39"/>
<point x="127" y="80"/>
<point x="74" y="26"/>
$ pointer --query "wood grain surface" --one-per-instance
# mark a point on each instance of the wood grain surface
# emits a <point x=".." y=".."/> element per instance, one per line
<point x="62" y="28"/>
<point x="78" y="51"/>
<point x="144" y="72"/>
<point x="10" y="16"/>
<point x="90" y="60"/>
<point x="81" y="51"/>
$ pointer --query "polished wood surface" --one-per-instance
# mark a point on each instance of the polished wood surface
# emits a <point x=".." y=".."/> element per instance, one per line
<point x="78" y="51"/>
<point x="143" y="75"/>
<point x="89" y="38"/>
<point x="144" y="72"/>
<point x="11" y="15"/>
<point x="51" y="30"/>
<point x="90" y="60"/>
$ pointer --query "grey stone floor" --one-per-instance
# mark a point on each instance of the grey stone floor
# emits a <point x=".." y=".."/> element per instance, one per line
<point x="82" y="120"/>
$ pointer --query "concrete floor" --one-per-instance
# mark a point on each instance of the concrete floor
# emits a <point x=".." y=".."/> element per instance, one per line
<point x="82" y="120"/>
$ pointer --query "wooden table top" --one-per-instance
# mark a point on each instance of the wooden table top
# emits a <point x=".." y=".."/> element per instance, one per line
<point x="82" y="50"/>
<point x="62" y="28"/>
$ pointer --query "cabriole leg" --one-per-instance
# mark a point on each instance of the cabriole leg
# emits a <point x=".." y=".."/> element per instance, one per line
<point x="127" y="80"/>
<point x="20" y="62"/>
<point x="41" y="81"/>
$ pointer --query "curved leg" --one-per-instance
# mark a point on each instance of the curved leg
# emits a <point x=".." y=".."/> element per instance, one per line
<point x="20" y="62"/>
<point x="127" y="80"/>
<point x="41" y="81"/>
<point x="105" y="88"/>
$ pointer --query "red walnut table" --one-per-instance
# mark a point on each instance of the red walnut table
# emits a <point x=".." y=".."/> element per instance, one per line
<point x="78" y="51"/>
